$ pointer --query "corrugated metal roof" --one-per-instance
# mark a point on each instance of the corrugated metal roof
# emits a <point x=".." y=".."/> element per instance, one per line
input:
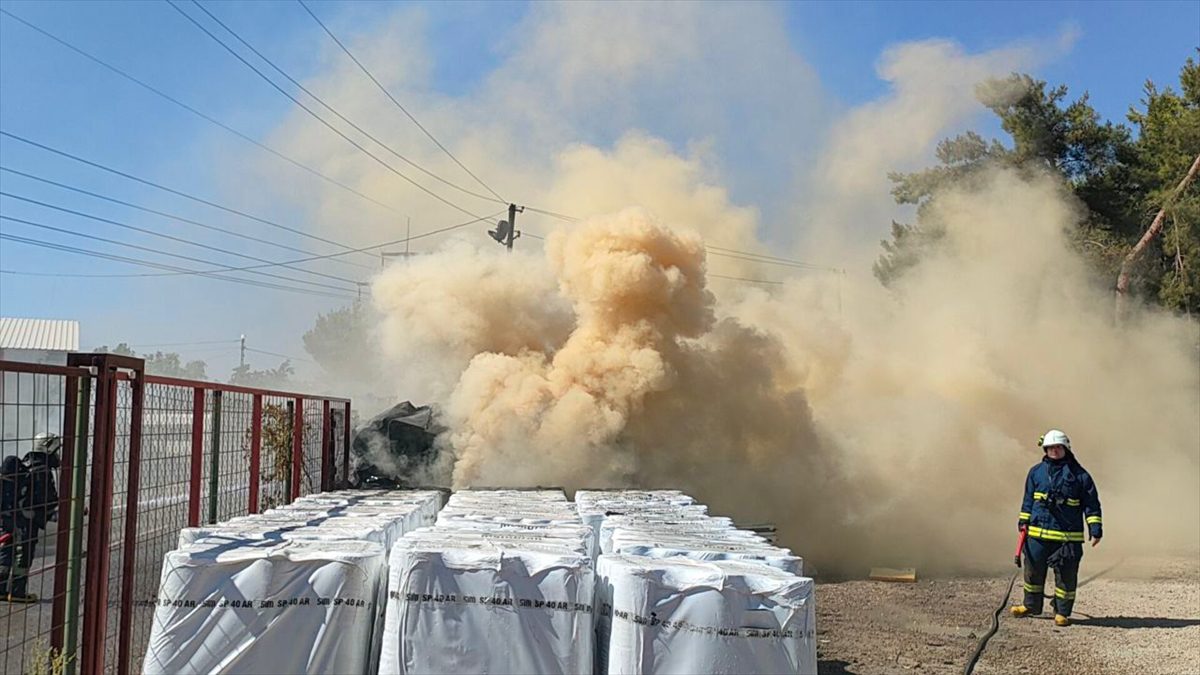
<point x="53" y="335"/>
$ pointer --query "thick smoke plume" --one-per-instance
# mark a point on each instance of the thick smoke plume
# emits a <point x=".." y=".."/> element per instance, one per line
<point x="873" y="426"/>
<point x="899" y="427"/>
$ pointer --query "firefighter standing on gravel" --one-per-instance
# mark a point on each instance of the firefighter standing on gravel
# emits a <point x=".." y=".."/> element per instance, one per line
<point x="28" y="500"/>
<point x="1060" y="499"/>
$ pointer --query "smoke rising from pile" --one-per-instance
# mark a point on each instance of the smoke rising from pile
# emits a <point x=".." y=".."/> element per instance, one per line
<point x="873" y="426"/>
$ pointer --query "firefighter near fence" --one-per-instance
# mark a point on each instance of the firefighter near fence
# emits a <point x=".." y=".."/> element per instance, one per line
<point x="28" y="501"/>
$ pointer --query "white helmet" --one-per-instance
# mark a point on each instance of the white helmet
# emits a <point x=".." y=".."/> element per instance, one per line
<point x="48" y="443"/>
<point x="1055" y="437"/>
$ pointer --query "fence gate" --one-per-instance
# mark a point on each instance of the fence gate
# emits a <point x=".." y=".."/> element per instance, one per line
<point x="142" y="457"/>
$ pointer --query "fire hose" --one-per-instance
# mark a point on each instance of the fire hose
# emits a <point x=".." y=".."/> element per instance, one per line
<point x="970" y="668"/>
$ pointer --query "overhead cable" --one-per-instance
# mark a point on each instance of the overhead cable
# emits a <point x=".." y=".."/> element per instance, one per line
<point x="201" y="115"/>
<point x="168" y="254"/>
<point x="148" y="263"/>
<point x="181" y="240"/>
<point x="305" y="108"/>
<point x="177" y="192"/>
<point x="397" y="103"/>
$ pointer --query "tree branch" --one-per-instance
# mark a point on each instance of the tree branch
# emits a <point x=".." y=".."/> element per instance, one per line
<point x="1151" y="232"/>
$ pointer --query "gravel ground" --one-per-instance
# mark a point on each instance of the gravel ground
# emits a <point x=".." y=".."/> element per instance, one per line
<point x="1134" y="616"/>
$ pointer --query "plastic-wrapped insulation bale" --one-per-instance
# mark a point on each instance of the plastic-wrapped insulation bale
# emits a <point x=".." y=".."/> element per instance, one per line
<point x="479" y="608"/>
<point x="674" y="615"/>
<point x="359" y="530"/>
<point x="568" y="541"/>
<point x="682" y="527"/>
<point x="780" y="559"/>
<point x="266" y="607"/>
<point x="574" y="533"/>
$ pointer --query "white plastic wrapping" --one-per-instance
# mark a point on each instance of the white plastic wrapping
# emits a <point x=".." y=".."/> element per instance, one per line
<point x="479" y="608"/>
<point x="266" y="607"/>
<point x="663" y="616"/>
<point x="346" y="530"/>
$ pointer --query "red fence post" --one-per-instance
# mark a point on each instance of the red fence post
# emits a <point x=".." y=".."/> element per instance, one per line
<point x="297" y="448"/>
<point x="326" y="448"/>
<point x="346" y="446"/>
<point x="129" y="551"/>
<point x="95" y="600"/>
<point x="65" y="476"/>
<point x="255" y="451"/>
<point x="197" y="457"/>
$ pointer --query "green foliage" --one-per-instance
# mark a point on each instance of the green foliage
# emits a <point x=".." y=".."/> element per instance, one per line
<point x="1122" y="176"/>
<point x="122" y="349"/>
<point x="275" y="451"/>
<point x="167" y="364"/>
<point x="340" y="340"/>
<point x="267" y="379"/>
<point x="170" y="365"/>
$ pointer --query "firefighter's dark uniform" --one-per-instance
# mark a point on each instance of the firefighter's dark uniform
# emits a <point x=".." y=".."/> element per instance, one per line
<point x="28" y="500"/>
<point x="1060" y="499"/>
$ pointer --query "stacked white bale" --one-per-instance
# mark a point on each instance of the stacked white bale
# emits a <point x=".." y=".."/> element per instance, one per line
<point x="681" y="591"/>
<point x="207" y="581"/>
<point x="503" y="583"/>
<point x="684" y="616"/>
<point x="266" y="607"/>
<point x="594" y="506"/>
<point x="705" y="548"/>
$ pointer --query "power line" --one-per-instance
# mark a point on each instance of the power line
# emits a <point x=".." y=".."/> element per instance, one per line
<point x="147" y="263"/>
<point x="200" y="114"/>
<point x="308" y="110"/>
<point x="333" y="110"/>
<point x="762" y="261"/>
<point x="184" y="344"/>
<point x="751" y="281"/>
<point x="397" y="103"/>
<point x="165" y="214"/>
<point x="182" y="240"/>
<point x="282" y="356"/>
<point x="180" y="193"/>
<point x="748" y="256"/>
<point x="225" y="268"/>
<point x="149" y="249"/>
<point x="771" y="257"/>
<point x="569" y="219"/>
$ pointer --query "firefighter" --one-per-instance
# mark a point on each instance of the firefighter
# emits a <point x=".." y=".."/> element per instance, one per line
<point x="1060" y="499"/>
<point x="28" y="500"/>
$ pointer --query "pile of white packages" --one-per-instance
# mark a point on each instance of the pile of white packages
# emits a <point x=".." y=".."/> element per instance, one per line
<point x="680" y="591"/>
<point x="496" y="581"/>
<point x="503" y="583"/>
<point x="296" y="589"/>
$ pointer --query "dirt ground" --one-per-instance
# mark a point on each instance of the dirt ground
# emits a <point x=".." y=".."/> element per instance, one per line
<point x="1132" y="616"/>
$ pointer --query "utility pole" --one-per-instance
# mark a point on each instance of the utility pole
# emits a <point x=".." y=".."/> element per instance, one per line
<point x="506" y="230"/>
<point x="512" y="225"/>
<point x="384" y="255"/>
<point x="242" y="363"/>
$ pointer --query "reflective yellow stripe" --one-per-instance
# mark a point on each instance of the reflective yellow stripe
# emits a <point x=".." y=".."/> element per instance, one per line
<point x="1030" y="588"/>
<point x="1093" y="520"/>
<point x="1064" y="594"/>
<point x="1024" y="516"/>
<point x="1054" y="535"/>
<point x="1041" y="496"/>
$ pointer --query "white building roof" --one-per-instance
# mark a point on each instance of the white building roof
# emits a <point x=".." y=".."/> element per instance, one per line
<point x="52" y="335"/>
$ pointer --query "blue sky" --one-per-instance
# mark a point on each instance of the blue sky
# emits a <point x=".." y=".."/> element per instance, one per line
<point x="58" y="98"/>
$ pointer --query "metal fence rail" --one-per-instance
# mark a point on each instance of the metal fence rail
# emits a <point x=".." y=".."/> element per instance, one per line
<point x="142" y="458"/>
